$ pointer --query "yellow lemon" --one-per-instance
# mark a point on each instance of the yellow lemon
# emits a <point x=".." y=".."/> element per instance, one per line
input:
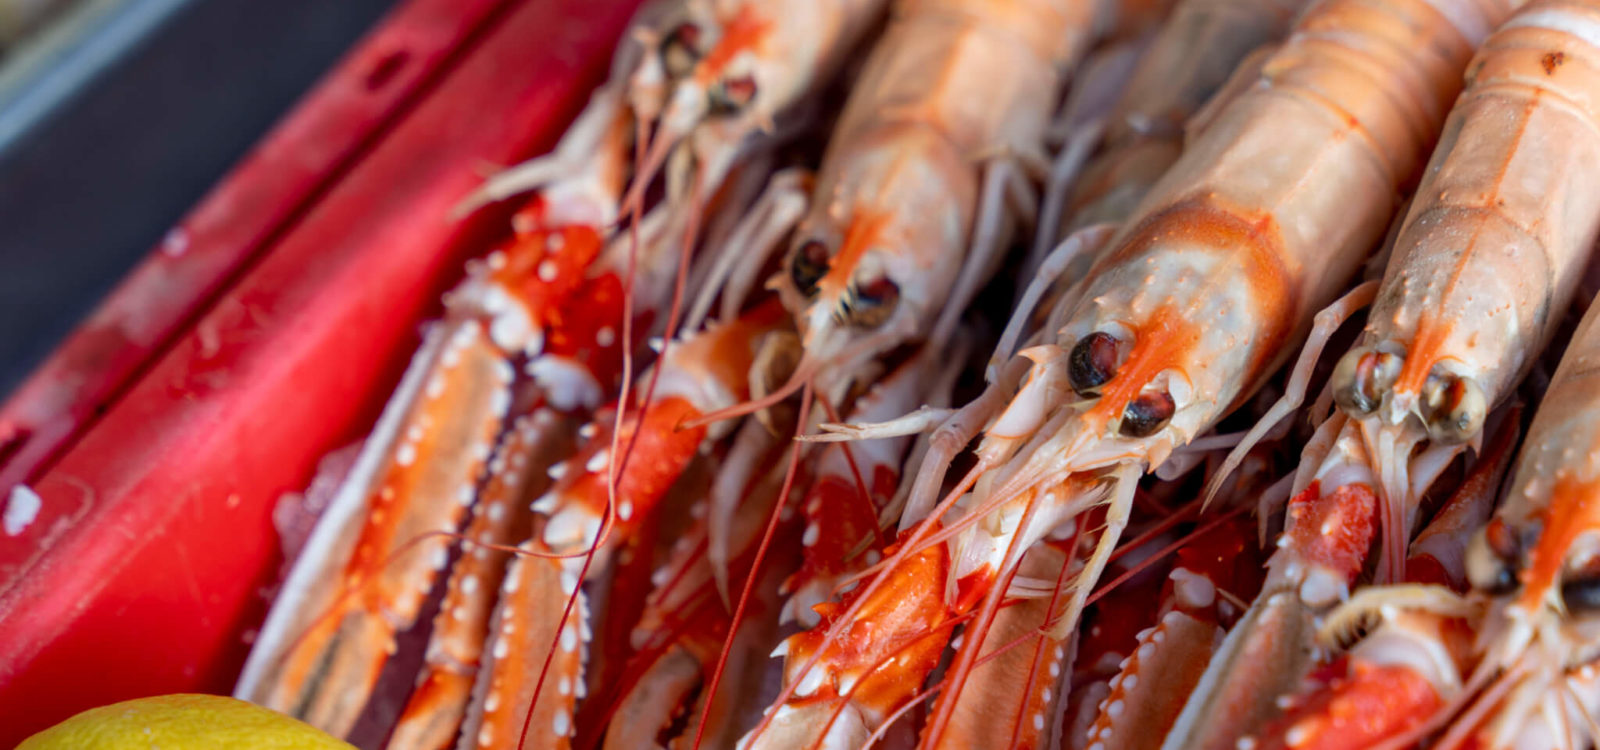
<point x="182" y="722"/>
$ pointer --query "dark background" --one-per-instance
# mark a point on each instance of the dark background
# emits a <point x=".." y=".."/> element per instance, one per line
<point x="128" y="126"/>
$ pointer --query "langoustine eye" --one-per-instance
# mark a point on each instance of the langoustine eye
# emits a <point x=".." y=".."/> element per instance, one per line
<point x="1363" y="377"/>
<point x="1581" y="593"/>
<point x="1146" y="414"/>
<point x="809" y="265"/>
<point x="1452" y="407"/>
<point x="680" y="50"/>
<point x="1092" y="363"/>
<point x="873" y="302"/>
<point x="731" y="95"/>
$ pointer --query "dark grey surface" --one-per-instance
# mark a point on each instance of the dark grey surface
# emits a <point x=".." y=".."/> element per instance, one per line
<point x="99" y="178"/>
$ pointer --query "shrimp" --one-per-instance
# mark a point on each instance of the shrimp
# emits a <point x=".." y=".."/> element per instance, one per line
<point x="1463" y="313"/>
<point x="561" y="295"/>
<point x="1488" y="257"/>
<point x="322" y="648"/>
<point x="711" y="75"/>
<point x="1259" y="224"/>
<point x="923" y="179"/>
<point x="952" y="104"/>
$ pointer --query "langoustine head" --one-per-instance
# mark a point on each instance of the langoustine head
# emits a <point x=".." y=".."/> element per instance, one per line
<point x="1537" y="564"/>
<point x="871" y="264"/>
<point x="1186" y="320"/>
<point x="720" y="71"/>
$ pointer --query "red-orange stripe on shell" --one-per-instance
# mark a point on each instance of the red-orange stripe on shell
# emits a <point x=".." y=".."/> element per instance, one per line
<point x="1250" y="243"/>
<point x="745" y="32"/>
<point x="864" y="231"/>
<point x="1574" y="509"/>
<point x="1422" y="354"/>
<point x="1162" y="342"/>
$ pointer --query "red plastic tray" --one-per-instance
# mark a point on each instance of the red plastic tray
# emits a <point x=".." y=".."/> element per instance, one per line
<point x="273" y="338"/>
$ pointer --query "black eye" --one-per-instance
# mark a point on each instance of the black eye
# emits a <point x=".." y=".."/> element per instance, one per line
<point x="1581" y="594"/>
<point x="1453" y="408"/>
<point x="1146" y="414"/>
<point x="680" y="50"/>
<point x="810" y="264"/>
<point x="874" y="302"/>
<point x="731" y="96"/>
<point x="1362" y="378"/>
<point x="1493" y="559"/>
<point x="1092" y="363"/>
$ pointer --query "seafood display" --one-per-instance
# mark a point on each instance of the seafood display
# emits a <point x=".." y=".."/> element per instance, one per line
<point x="1079" y="374"/>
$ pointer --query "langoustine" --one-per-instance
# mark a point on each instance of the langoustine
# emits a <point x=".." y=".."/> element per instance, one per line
<point x="945" y="122"/>
<point x="1411" y="663"/>
<point x="1284" y="188"/>
<point x="1511" y="664"/>
<point x="1482" y="271"/>
<point x="868" y="270"/>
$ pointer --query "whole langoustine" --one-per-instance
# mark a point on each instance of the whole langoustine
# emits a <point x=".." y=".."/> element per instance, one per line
<point x="868" y="270"/>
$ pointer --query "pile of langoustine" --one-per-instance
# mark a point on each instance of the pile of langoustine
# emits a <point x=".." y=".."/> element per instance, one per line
<point x="991" y="373"/>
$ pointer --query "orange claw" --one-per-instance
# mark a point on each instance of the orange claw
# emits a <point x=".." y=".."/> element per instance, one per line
<point x="525" y="622"/>
<point x="1012" y="697"/>
<point x="876" y="665"/>
<point x="1154" y="682"/>
<point x="391" y="551"/>
<point x="434" y="712"/>
<point x="1375" y="702"/>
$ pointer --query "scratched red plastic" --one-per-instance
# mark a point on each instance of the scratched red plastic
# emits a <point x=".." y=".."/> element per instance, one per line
<point x="258" y="199"/>
<point x="144" y="567"/>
